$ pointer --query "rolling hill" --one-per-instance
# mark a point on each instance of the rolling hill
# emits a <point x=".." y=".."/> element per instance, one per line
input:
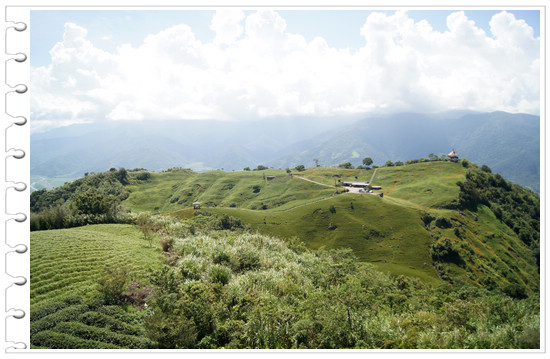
<point x="508" y="143"/>
<point x="418" y="214"/>
<point x="443" y="248"/>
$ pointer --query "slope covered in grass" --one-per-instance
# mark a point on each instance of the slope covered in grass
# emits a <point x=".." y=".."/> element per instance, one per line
<point x="68" y="262"/>
<point x="177" y="189"/>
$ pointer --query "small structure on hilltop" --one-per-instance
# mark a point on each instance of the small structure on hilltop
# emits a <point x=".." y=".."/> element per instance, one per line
<point x="453" y="156"/>
<point x="355" y="184"/>
<point x="196" y="205"/>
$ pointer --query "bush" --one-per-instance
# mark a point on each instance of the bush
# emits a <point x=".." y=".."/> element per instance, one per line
<point x="219" y="274"/>
<point x="103" y="335"/>
<point x="112" y="283"/>
<point x="346" y="165"/>
<point x="46" y="310"/>
<point x="54" y="340"/>
<point x="102" y="320"/>
<point x="443" y="222"/>
<point x="63" y="315"/>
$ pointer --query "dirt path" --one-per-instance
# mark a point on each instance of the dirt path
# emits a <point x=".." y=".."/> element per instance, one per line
<point x="372" y="177"/>
<point x="319" y="183"/>
<point x="283" y="210"/>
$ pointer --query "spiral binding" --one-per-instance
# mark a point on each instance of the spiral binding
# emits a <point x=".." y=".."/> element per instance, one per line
<point x="16" y="154"/>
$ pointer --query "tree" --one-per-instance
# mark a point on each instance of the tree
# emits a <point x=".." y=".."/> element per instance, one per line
<point x="346" y="165"/>
<point x="300" y="168"/>
<point x="367" y="161"/>
<point x="316" y="160"/>
<point x="246" y="169"/>
<point x="260" y="168"/>
<point x="389" y="163"/>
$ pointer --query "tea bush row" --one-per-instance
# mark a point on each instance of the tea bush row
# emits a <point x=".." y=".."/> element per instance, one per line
<point x="103" y="335"/>
<point x="54" y="340"/>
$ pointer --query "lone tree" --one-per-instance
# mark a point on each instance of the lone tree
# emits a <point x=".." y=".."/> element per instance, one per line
<point x="316" y="160"/>
<point x="300" y="168"/>
<point x="367" y="161"/>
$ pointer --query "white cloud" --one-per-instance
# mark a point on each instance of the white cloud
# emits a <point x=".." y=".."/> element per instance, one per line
<point x="227" y="24"/>
<point x="255" y="68"/>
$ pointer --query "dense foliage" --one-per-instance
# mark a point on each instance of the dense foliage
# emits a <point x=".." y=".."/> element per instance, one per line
<point x="93" y="199"/>
<point x="514" y="205"/>
<point x="243" y="290"/>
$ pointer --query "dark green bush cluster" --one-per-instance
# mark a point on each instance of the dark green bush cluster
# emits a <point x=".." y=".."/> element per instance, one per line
<point x="101" y="320"/>
<point x="54" y="340"/>
<point x="104" y="335"/>
<point x="50" y="321"/>
<point x="91" y="325"/>
<point x="92" y="199"/>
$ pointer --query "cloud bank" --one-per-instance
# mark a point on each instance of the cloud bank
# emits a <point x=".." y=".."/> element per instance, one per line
<point x="255" y="68"/>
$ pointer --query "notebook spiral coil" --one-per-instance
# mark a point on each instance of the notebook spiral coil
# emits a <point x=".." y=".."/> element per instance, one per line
<point x="12" y="249"/>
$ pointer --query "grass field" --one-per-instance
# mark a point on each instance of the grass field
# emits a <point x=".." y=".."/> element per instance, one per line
<point x="174" y="190"/>
<point x="68" y="262"/>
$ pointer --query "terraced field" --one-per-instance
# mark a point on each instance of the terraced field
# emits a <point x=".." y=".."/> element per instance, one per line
<point x="67" y="262"/>
<point x="75" y="324"/>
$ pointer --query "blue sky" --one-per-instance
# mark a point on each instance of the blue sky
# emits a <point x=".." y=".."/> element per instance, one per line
<point x="234" y="64"/>
<point x="338" y="27"/>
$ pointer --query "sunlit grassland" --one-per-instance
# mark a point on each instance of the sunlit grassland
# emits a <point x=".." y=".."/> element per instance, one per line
<point x="170" y="191"/>
<point x="67" y="262"/>
<point x="384" y="234"/>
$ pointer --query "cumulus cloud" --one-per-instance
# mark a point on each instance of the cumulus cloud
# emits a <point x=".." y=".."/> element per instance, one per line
<point x="255" y="68"/>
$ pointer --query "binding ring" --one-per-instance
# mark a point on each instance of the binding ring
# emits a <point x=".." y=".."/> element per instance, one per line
<point x="18" y="186"/>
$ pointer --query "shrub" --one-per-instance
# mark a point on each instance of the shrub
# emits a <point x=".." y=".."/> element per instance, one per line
<point x="346" y="165"/>
<point x="103" y="335"/>
<point x="54" y="340"/>
<point x="219" y="274"/>
<point x="63" y="315"/>
<point x="112" y="283"/>
<point x="102" y="320"/>
<point x="41" y="312"/>
<point x="443" y="222"/>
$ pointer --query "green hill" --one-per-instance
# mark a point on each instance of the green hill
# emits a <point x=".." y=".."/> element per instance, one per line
<point x="417" y="228"/>
<point x="445" y="258"/>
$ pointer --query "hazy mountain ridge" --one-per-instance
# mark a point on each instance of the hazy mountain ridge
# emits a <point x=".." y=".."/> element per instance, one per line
<point x="508" y="143"/>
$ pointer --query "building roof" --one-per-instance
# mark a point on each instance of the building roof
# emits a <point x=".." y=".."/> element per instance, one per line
<point x="356" y="184"/>
<point x="453" y="154"/>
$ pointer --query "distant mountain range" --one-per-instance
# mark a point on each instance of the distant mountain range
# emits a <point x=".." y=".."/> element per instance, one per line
<point x="508" y="143"/>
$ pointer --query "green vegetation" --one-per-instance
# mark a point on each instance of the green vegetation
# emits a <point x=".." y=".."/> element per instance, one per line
<point x="447" y="258"/>
<point x="68" y="262"/>
<point x="174" y="190"/>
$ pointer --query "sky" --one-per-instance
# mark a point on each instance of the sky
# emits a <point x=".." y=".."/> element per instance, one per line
<point x="232" y="64"/>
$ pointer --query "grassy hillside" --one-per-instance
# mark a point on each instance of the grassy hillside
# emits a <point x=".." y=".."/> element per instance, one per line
<point x="392" y="232"/>
<point x="68" y="262"/>
<point x="444" y="259"/>
<point x="177" y="189"/>
<point x="417" y="228"/>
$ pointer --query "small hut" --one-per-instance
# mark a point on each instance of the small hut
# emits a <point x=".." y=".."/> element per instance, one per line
<point x="453" y="156"/>
<point x="196" y="205"/>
